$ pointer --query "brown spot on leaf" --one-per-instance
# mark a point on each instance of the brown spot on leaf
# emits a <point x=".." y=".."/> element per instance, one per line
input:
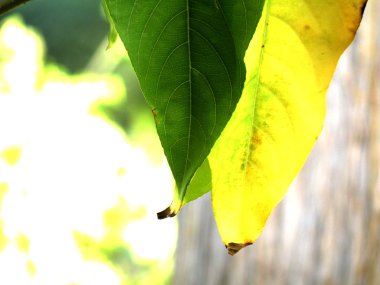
<point x="233" y="247"/>
<point x="352" y="30"/>
<point x="154" y="112"/>
<point x="255" y="140"/>
<point x="306" y="27"/>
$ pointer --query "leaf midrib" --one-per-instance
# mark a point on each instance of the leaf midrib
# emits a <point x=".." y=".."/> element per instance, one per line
<point x="257" y="86"/>
<point x="190" y="94"/>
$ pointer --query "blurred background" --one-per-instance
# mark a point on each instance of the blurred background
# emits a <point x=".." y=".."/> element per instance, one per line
<point x="82" y="173"/>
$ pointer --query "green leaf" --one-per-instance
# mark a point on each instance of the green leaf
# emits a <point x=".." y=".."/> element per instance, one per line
<point x="189" y="58"/>
<point x="200" y="184"/>
<point x="290" y="62"/>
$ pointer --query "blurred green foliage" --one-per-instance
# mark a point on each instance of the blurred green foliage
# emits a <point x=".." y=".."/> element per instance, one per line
<point x="72" y="29"/>
<point x="70" y="95"/>
<point x="112" y="250"/>
<point x="76" y="34"/>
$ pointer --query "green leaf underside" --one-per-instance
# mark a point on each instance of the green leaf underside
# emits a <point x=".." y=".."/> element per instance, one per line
<point x="189" y="58"/>
<point x="200" y="183"/>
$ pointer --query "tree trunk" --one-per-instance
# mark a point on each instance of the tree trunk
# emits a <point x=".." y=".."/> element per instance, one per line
<point x="327" y="229"/>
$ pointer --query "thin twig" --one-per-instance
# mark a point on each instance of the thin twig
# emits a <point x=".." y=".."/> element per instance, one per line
<point x="6" y="5"/>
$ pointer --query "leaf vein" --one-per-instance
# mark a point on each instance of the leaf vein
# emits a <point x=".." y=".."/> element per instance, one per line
<point x="164" y="64"/>
<point x="220" y="58"/>
<point x="213" y="96"/>
<point x="145" y="26"/>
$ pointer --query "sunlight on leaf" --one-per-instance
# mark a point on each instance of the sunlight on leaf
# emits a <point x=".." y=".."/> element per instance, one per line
<point x="290" y="62"/>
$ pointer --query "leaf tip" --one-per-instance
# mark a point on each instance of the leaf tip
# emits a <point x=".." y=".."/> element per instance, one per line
<point x="364" y="4"/>
<point x="170" y="211"/>
<point x="233" y="247"/>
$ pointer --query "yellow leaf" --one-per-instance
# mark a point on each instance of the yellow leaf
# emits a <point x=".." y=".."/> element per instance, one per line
<point x="290" y="62"/>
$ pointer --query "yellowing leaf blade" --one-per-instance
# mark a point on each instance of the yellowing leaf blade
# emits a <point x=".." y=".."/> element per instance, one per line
<point x="290" y="62"/>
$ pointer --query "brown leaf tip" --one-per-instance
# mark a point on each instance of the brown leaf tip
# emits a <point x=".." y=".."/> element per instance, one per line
<point x="233" y="247"/>
<point x="363" y="7"/>
<point x="167" y="213"/>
